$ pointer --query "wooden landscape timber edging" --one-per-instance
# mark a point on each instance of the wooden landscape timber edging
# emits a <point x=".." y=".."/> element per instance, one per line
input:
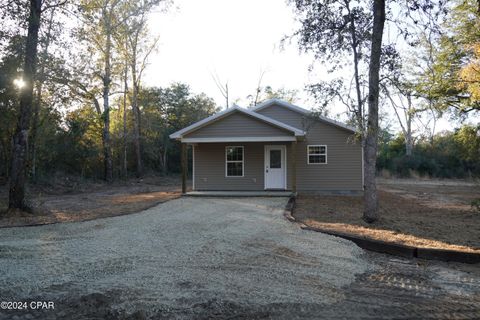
<point x="387" y="247"/>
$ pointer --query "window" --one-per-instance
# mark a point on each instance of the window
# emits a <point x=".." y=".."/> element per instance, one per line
<point x="275" y="159"/>
<point x="234" y="161"/>
<point x="317" y="154"/>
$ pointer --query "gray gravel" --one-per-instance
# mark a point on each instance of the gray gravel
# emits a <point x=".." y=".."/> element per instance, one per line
<point x="202" y="257"/>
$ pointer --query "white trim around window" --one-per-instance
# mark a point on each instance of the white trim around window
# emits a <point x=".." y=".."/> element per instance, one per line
<point x="234" y="161"/>
<point x="317" y="153"/>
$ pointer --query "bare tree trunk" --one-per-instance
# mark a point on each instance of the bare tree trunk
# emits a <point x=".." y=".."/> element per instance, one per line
<point x="38" y="100"/>
<point x="408" y="113"/>
<point x="408" y="146"/>
<point x="136" y="115"/>
<point x="125" y="90"/>
<point x="223" y="90"/>
<point x="408" y="134"/>
<point x="6" y="155"/>
<point x="356" y="59"/>
<point x="20" y="139"/>
<point x="107" y="150"/>
<point x="370" y="213"/>
<point x="164" y="160"/>
<point x="226" y="95"/>
<point x="259" y="88"/>
<point x="33" y="142"/>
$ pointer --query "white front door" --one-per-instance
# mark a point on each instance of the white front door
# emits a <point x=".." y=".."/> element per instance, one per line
<point x="275" y="167"/>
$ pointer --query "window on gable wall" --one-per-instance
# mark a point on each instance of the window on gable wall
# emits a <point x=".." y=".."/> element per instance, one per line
<point x="317" y="154"/>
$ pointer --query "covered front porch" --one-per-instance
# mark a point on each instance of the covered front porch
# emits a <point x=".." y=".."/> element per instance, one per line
<point x="240" y="150"/>
<point x="241" y="168"/>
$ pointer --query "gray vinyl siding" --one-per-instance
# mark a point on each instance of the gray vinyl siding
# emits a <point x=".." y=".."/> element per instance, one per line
<point x="238" y="125"/>
<point x="343" y="171"/>
<point x="210" y="167"/>
<point x="282" y="114"/>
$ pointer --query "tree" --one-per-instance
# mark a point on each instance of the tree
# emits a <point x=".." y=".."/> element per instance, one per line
<point x="10" y="68"/>
<point x="453" y="81"/>
<point x="370" y="213"/>
<point x="111" y="30"/>
<point x="20" y="139"/>
<point x="124" y="118"/>
<point x="404" y="110"/>
<point x="267" y="92"/>
<point x="100" y="18"/>
<point x="38" y="93"/>
<point x="133" y="41"/>
<point x="256" y="97"/>
<point x="335" y="31"/>
<point x="165" y="111"/>
<point x="447" y="155"/>
<point x="223" y="88"/>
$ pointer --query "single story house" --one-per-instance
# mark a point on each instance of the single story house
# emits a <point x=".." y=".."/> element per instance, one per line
<point x="272" y="146"/>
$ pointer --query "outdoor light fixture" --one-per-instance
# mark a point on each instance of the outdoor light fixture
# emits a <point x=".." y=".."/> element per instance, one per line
<point x="19" y="83"/>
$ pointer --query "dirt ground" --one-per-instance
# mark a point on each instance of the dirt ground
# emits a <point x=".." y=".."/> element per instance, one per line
<point x="428" y="213"/>
<point x="65" y="200"/>
<point x="220" y="258"/>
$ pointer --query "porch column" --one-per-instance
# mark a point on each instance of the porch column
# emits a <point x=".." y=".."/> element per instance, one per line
<point x="184" y="167"/>
<point x="294" y="166"/>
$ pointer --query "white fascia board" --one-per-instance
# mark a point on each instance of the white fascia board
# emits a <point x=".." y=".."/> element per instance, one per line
<point x="217" y="116"/>
<point x="237" y="139"/>
<point x="301" y="110"/>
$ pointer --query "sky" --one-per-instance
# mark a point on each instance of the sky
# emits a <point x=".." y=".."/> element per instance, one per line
<point x="236" y="41"/>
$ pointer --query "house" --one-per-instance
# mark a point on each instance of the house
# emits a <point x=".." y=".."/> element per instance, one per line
<point x="272" y="146"/>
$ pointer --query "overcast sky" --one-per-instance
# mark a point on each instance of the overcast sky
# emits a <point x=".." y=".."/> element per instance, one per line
<point x="236" y="40"/>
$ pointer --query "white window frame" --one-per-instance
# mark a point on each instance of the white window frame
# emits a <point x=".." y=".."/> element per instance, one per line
<point x="235" y="161"/>
<point x="315" y="154"/>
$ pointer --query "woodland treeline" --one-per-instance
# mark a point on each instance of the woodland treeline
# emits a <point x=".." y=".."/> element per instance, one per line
<point x="71" y="144"/>
<point x="448" y="154"/>
<point x="73" y="98"/>
<point x="90" y="114"/>
<point x="429" y="71"/>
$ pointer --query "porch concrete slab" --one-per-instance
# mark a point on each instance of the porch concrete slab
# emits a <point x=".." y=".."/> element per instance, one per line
<point x="239" y="193"/>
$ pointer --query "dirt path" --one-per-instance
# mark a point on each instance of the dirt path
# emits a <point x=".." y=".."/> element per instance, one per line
<point x="432" y="214"/>
<point x="90" y="201"/>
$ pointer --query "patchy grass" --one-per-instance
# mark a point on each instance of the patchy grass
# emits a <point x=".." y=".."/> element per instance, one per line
<point x="431" y="214"/>
<point x="73" y="201"/>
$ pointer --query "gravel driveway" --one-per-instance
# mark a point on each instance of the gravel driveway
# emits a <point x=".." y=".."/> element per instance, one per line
<point x="220" y="258"/>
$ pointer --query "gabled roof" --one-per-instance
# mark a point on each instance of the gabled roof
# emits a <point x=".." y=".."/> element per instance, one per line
<point x="197" y="125"/>
<point x="298" y="109"/>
